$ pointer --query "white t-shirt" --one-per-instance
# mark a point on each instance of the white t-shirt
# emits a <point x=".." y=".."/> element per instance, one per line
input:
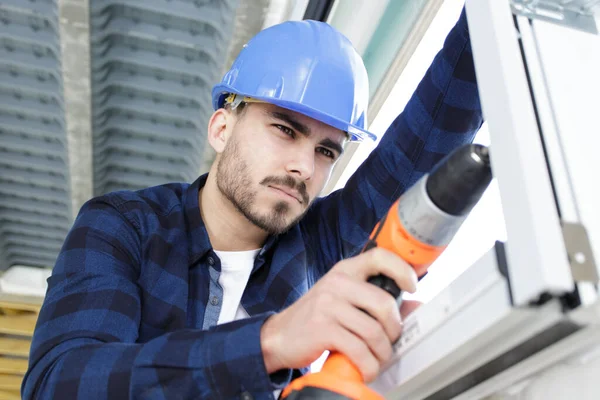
<point x="236" y="267"/>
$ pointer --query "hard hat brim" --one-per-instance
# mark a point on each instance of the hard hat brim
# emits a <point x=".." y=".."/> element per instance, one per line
<point x="356" y="133"/>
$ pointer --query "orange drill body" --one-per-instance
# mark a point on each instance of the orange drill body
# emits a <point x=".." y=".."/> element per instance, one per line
<point x="394" y="237"/>
<point x="338" y="375"/>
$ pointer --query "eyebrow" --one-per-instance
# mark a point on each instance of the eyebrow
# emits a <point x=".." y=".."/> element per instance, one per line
<point x="305" y="130"/>
<point x="297" y="125"/>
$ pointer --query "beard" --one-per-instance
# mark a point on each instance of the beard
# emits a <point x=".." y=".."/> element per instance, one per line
<point x="235" y="183"/>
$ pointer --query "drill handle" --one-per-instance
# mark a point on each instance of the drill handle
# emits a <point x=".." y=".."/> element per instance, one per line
<point x="380" y="280"/>
<point x="386" y="284"/>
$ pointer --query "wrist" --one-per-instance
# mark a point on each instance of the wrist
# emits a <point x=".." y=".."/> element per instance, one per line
<point x="268" y="342"/>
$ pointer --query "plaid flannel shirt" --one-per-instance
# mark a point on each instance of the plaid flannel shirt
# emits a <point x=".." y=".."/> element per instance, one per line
<point x="130" y="309"/>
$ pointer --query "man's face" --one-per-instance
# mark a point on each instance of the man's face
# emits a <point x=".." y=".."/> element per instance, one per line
<point x="275" y="163"/>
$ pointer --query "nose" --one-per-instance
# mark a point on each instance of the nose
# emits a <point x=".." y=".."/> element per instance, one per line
<point x="302" y="164"/>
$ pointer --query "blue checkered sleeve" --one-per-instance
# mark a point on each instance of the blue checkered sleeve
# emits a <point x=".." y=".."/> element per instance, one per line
<point x="443" y="114"/>
<point x="84" y="345"/>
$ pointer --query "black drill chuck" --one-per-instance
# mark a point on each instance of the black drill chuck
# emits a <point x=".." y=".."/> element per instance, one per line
<point x="457" y="182"/>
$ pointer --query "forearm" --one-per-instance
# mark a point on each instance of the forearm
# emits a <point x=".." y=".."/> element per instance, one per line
<point x="219" y="363"/>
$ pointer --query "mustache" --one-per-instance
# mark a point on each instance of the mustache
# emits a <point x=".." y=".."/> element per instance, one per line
<point x="290" y="182"/>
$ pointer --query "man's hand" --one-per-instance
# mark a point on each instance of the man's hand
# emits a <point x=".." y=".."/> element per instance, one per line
<point x="330" y="316"/>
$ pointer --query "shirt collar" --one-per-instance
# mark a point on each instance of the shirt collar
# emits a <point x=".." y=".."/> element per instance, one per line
<point x="199" y="243"/>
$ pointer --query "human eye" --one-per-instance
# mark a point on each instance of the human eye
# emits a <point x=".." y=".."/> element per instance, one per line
<point x="326" y="152"/>
<point x="285" y="129"/>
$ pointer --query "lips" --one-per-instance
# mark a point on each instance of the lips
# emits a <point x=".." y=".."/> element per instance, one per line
<point x="290" y="192"/>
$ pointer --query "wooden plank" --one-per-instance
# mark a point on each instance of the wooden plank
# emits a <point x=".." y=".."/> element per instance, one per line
<point x="10" y="382"/>
<point x="10" y="395"/>
<point x="13" y="365"/>
<point x="12" y="346"/>
<point x="10" y="311"/>
<point x="20" y="302"/>
<point x="18" y="324"/>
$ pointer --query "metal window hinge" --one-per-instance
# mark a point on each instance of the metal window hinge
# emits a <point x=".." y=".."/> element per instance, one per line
<point x="579" y="250"/>
<point x="578" y="14"/>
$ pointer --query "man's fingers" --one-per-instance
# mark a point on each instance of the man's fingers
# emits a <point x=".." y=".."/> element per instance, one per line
<point x="408" y="306"/>
<point x="380" y="261"/>
<point x="368" y="329"/>
<point x="379" y="304"/>
<point x="350" y="345"/>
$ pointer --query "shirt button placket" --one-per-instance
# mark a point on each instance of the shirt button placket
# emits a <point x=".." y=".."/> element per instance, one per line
<point x="214" y="301"/>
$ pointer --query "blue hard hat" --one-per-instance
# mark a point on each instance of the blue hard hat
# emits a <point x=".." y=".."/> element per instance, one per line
<point x="307" y="67"/>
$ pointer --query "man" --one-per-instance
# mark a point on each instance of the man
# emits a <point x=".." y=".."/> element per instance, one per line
<point x="224" y="288"/>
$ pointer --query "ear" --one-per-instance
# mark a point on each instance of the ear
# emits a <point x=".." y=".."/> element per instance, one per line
<point x="219" y="129"/>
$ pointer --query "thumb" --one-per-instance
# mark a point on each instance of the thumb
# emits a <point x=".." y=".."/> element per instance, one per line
<point x="408" y="306"/>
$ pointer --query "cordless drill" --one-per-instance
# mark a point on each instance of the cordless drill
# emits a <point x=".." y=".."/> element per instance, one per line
<point x="418" y="227"/>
